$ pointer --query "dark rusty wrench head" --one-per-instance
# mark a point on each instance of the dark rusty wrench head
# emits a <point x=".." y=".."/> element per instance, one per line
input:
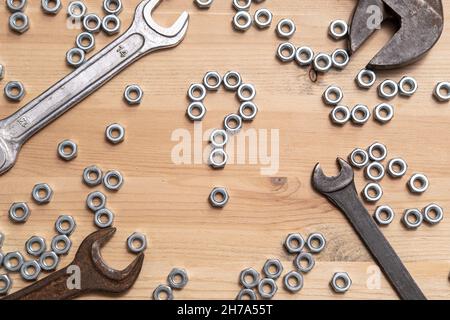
<point x="325" y="184"/>
<point x="96" y="275"/>
<point x="421" y="23"/>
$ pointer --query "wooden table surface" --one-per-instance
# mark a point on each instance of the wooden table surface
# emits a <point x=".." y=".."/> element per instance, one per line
<point x="168" y="201"/>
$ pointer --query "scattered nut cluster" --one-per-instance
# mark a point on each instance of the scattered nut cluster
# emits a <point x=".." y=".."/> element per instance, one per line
<point x="370" y="160"/>
<point x="176" y="280"/>
<point x="265" y="284"/>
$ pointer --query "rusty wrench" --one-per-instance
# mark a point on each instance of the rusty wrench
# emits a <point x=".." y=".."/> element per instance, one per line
<point x="144" y="36"/>
<point x="421" y="25"/>
<point x="95" y="275"/>
<point x="341" y="191"/>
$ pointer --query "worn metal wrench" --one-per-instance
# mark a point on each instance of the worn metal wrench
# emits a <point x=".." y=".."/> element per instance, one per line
<point x="341" y="191"/>
<point x="95" y="275"/>
<point x="143" y="37"/>
<point x="421" y="23"/>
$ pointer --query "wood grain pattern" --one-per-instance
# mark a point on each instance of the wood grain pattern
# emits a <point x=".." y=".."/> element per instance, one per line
<point x="168" y="201"/>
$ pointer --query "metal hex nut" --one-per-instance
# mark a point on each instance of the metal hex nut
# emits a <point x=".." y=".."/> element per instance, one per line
<point x="42" y="199"/>
<point x="253" y="274"/>
<point x="19" y="22"/>
<point x="15" y="217"/>
<point x="347" y="282"/>
<point x="2" y="71"/>
<point x="204" y="4"/>
<point x="6" y="284"/>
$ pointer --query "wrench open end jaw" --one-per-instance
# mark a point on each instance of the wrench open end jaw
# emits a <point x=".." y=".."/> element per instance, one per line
<point x="421" y="24"/>
<point x="325" y="184"/>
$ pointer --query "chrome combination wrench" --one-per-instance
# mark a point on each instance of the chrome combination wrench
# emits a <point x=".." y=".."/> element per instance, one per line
<point x="144" y="36"/>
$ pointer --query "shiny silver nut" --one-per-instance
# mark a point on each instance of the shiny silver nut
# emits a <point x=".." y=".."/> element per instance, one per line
<point x="85" y="41"/>
<point x="92" y="23"/>
<point x="246" y="92"/>
<point x="293" y="281"/>
<point x="16" y="5"/>
<point x="19" y="22"/>
<point x="242" y="21"/>
<point x="49" y="261"/>
<point x="273" y="268"/>
<point x="75" y="57"/>
<point x="19" y="212"/>
<point x="1" y="258"/>
<point x="397" y="168"/>
<point x="412" y="219"/>
<point x="2" y="71"/>
<point x="96" y="201"/>
<point x="388" y="89"/>
<point x="61" y="244"/>
<point x="5" y="284"/>
<point x="196" y="92"/>
<point x="196" y="111"/>
<point x="51" y="6"/>
<point x="248" y="111"/>
<point x="65" y="224"/>
<point x="286" y="52"/>
<point x="407" y="86"/>
<point x="92" y="176"/>
<point x="218" y="158"/>
<point x="218" y="198"/>
<point x="246" y="294"/>
<point x="375" y="171"/>
<point x="442" y="91"/>
<point x="333" y="95"/>
<point x="418" y="183"/>
<point x="340" y="115"/>
<point x="204" y="4"/>
<point x="218" y="138"/>
<point x="177" y="278"/>
<point x="163" y="292"/>
<point x="13" y="261"/>
<point x="113" y="180"/>
<point x="267" y="288"/>
<point x="42" y="193"/>
<point x="286" y="28"/>
<point x="14" y="91"/>
<point x="377" y="152"/>
<point x="30" y="270"/>
<point x="359" y="158"/>
<point x="232" y="123"/>
<point x="76" y="10"/>
<point x="294" y="243"/>
<point x="372" y="192"/>
<point x="384" y="215"/>
<point x="232" y="80"/>
<point x="341" y="282"/>
<point x="316" y="242"/>
<point x="212" y="80"/>
<point x="67" y="150"/>
<point x="115" y="133"/>
<point x="366" y="79"/>
<point x="111" y="24"/>
<point x="384" y="113"/>
<point x="133" y="94"/>
<point x="112" y="6"/>
<point x="304" y="262"/>
<point x="304" y="56"/>
<point x="249" y="278"/>
<point x="433" y="214"/>
<point x="338" y="29"/>
<point x="263" y="18"/>
<point x="360" y="114"/>
<point x="242" y="4"/>
<point x="35" y="246"/>
<point x="322" y="62"/>
<point x="104" y="218"/>
<point x="137" y="242"/>
<point x="340" y="59"/>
